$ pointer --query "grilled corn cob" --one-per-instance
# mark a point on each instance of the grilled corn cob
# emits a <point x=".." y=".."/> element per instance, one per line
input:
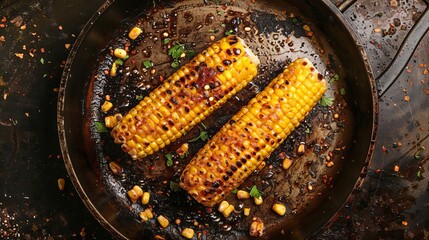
<point x="253" y="133"/>
<point x="186" y="97"/>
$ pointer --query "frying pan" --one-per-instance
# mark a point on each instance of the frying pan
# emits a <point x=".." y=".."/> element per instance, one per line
<point x="277" y="37"/>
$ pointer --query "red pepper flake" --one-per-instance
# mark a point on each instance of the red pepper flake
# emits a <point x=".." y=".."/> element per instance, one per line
<point x="3" y="20"/>
<point x="2" y="39"/>
<point x="406" y="98"/>
<point x="2" y="25"/>
<point x="396" y="168"/>
<point x="405" y="223"/>
<point x="161" y="78"/>
<point x="425" y="72"/>
<point x="152" y="168"/>
<point x="60" y="27"/>
<point x="378" y="171"/>
<point x="426" y="90"/>
<point x="384" y="149"/>
<point x="282" y="155"/>
<point x="42" y="50"/>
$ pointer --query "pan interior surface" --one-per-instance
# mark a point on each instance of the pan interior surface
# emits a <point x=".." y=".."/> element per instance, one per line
<point x="337" y="139"/>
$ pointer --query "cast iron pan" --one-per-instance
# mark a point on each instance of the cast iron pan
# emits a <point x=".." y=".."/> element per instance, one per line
<point x="278" y="32"/>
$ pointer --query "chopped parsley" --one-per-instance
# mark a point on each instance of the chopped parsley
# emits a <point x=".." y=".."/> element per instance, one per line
<point x="334" y="78"/>
<point x="326" y="101"/>
<point x="419" y="153"/>
<point x="169" y="157"/>
<point x="307" y="130"/>
<point x="204" y="135"/>
<point x="235" y="191"/>
<point x="343" y="91"/>
<point x="119" y="61"/>
<point x="147" y="63"/>
<point x="217" y="2"/>
<point x="176" y="50"/>
<point x="166" y="41"/>
<point x="229" y="32"/>
<point x="140" y="97"/>
<point x="99" y="126"/>
<point x="254" y="192"/>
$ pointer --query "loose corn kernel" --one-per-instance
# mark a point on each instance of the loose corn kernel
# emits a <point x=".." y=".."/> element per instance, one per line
<point x="133" y="195"/>
<point x="106" y="106"/>
<point x="246" y="211"/>
<point x="163" y="221"/>
<point x="120" y="53"/>
<point x="61" y="183"/>
<point x="287" y="163"/>
<point x="222" y="206"/>
<point x="279" y="208"/>
<point x="113" y="69"/>
<point x="143" y="216"/>
<point x="228" y="210"/>
<point x="134" y="33"/>
<point x="258" y="200"/>
<point x="145" y="198"/>
<point x="301" y="149"/>
<point x="138" y="190"/>
<point x="148" y="213"/>
<point x="256" y="227"/>
<point x="241" y="194"/>
<point x="183" y="149"/>
<point x="188" y="233"/>
<point x="115" y="167"/>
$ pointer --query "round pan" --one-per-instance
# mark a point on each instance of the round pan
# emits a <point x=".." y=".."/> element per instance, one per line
<point x="334" y="48"/>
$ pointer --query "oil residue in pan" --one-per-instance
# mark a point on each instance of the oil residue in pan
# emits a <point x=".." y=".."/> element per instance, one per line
<point x="277" y="36"/>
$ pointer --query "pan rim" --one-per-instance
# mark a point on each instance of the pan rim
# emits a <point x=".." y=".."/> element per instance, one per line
<point x="63" y="138"/>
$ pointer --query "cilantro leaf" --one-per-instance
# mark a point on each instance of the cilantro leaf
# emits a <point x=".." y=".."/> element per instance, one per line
<point x="169" y="157"/>
<point x="334" y="78"/>
<point x="176" y="50"/>
<point x="147" y="63"/>
<point x="254" y="192"/>
<point x="419" y="153"/>
<point x="167" y="40"/>
<point x="140" y="97"/>
<point x="204" y="135"/>
<point x="175" y="64"/>
<point x="119" y="61"/>
<point x="343" y="91"/>
<point x="326" y="101"/>
<point x="99" y="126"/>
<point x="235" y="191"/>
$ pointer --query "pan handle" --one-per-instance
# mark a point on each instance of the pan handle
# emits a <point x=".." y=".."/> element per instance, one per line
<point x="405" y="52"/>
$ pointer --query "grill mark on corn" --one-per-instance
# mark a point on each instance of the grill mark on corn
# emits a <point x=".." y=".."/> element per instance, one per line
<point x="253" y="133"/>
<point x="186" y="97"/>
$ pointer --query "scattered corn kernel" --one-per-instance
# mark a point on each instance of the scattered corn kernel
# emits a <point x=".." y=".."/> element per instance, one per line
<point x="336" y="116"/>
<point x="133" y="195"/>
<point x="228" y="210"/>
<point x="145" y="198"/>
<point x="287" y="163"/>
<point x="177" y="221"/>
<point x="330" y="164"/>
<point x="306" y="28"/>
<point x="301" y="149"/>
<point x="396" y="169"/>
<point x="143" y="216"/>
<point x="188" y="233"/>
<point x="407" y="98"/>
<point x="163" y="221"/>
<point x="310" y="187"/>
<point x="113" y="69"/>
<point x="120" y="53"/>
<point x="241" y="194"/>
<point x="134" y="33"/>
<point x="138" y="190"/>
<point x="222" y="206"/>
<point x="183" y="149"/>
<point x="256" y="227"/>
<point x="246" y="211"/>
<point x="61" y="183"/>
<point x="279" y="208"/>
<point x="115" y="168"/>
<point x="106" y="106"/>
<point x="148" y="212"/>
<point x="258" y="200"/>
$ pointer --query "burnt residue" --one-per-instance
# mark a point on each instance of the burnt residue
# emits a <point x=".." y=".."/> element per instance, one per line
<point x="272" y="23"/>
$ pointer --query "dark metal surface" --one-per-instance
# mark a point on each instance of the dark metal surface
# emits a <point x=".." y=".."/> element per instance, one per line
<point x="32" y="206"/>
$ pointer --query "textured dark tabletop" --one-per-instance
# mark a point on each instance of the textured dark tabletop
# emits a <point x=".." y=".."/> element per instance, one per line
<point x="35" y="38"/>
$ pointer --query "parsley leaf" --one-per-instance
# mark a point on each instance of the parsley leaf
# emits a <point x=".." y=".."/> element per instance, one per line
<point x="99" y="126"/>
<point x="419" y="153"/>
<point x="174" y="186"/>
<point x="326" y="101"/>
<point x="204" y="135"/>
<point x="119" y="61"/>
<point x="167" y="40"/>
<point x="176" y="50"/>
<point x="343" y="91"/>
<point x="334" y="78"/>
<point x="307" y="130"/>
<point x="139" y="97"/>
<point x="254" y="192"/>
<point x="235" y="191"/>
<point x="169" y="157"/>
<point x="147" y="63"/>
<point x="175" y="64"/>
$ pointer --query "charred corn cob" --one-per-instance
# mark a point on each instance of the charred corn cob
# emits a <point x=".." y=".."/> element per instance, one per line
<point x="253" y="133"/>
<point x="186" y="97"/>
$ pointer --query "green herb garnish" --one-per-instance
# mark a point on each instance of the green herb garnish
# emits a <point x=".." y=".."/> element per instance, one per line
<point x="326" y="101"/>
<point x="235" y="191"/>
<point x="175" y="64"/>
<point x="229" y="32"/>
<point x="419" y="153"/>
<point x="307" y="130"/>
<point x="139" y="97"/>
<point x="167" y="40"/>
<point x="343" y="91"/>
<point x="169" y="157"/>
<point x="119" y="61"/>
<point x="176" y="50"/>
<point x="99" y="126"/>
<point x="147" y="63"/>
<point x="334" y="78"/>
<point x="217" y="2"/>
<point x="254" y="192"/>
<point x="42" y="60"/>
<point x="204" y="135"/>
<point x="419" y="174"/>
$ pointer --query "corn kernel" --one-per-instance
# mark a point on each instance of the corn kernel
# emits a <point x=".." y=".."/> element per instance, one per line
<point x="163" y="221"/>
<point x="246" y="211"/>
<point x="145" y="198"/>
<point x="183" y="149"/>
<point x="241" y="194"/>
<point x="143" y="216"/>
<point x="133" y="195"/>
<point x="228" y="210"/>
<point x="222" y="206"/>
<point x="148" y="213"/>
<point x="258" y="200"/>
<point x="113" y="69"/>
<point x="115" y="168"/>
<point x="256" y="227"/>
<point x="61" y="183"/>
<point x="120" y="53"/>
<point x="134" y="33"/>
<point x="287" y="163"/>
<point x="280" y="209"/>
<point x="188" y="233"/>
<point x="138" y="190"/>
